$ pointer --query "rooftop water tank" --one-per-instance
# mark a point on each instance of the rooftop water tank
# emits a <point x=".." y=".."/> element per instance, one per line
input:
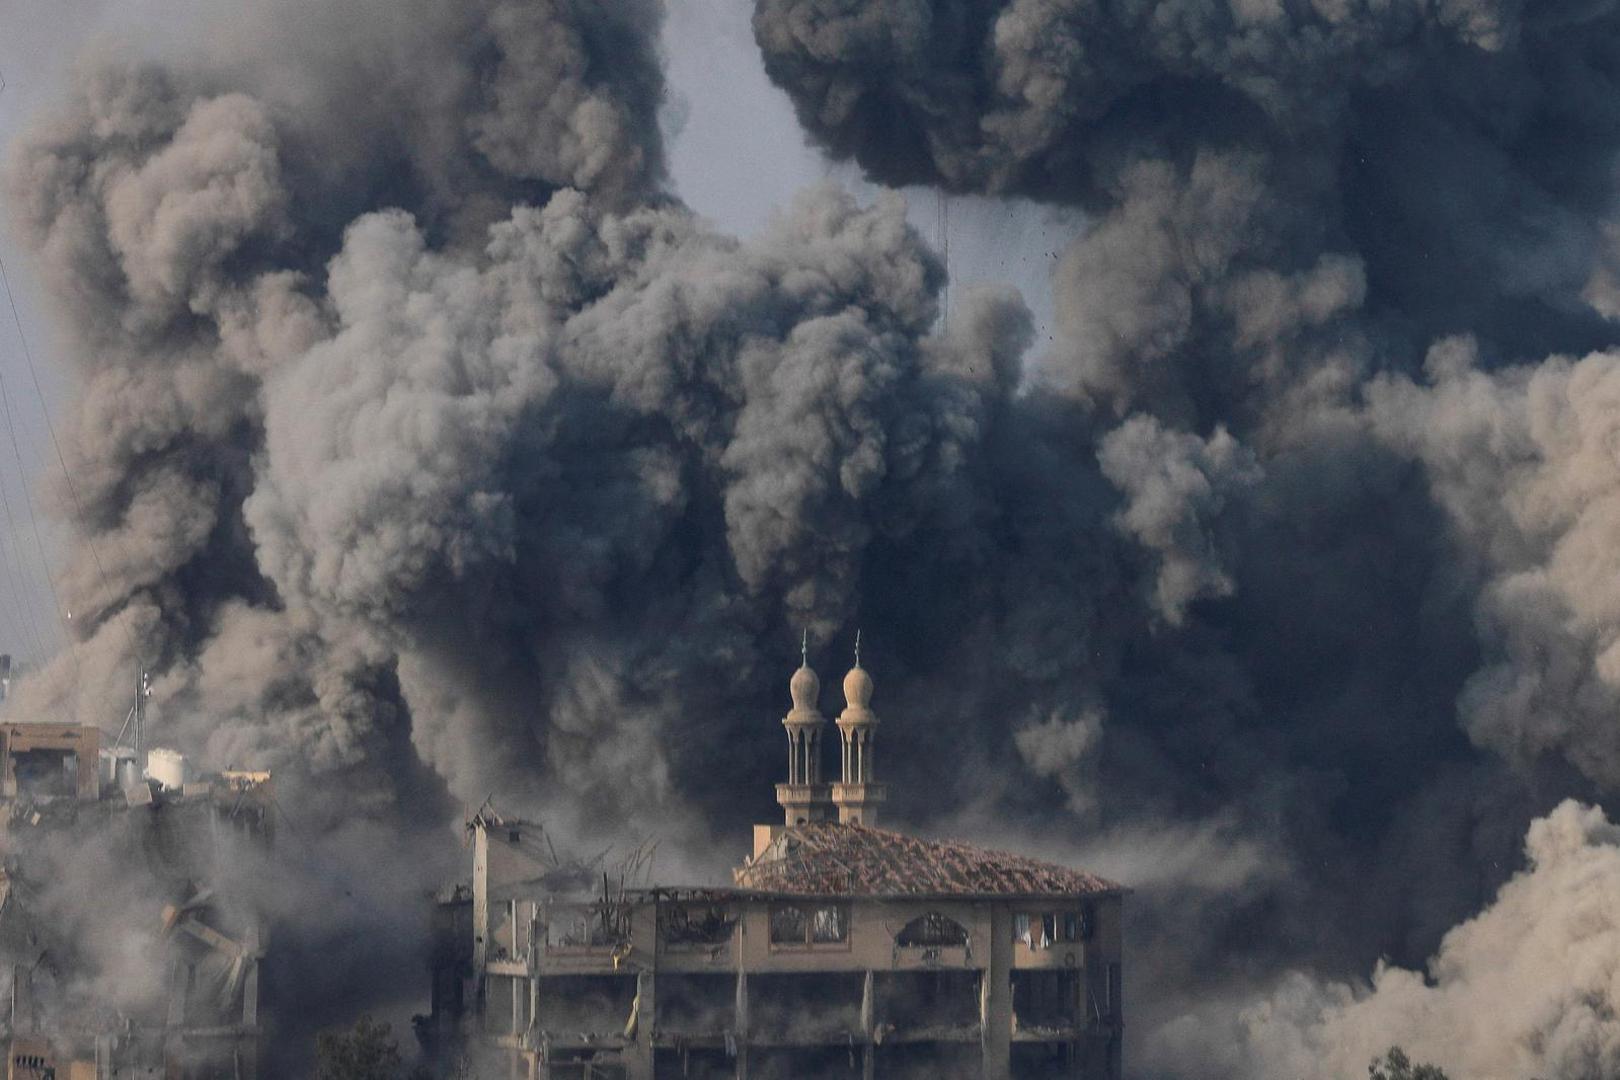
<point x="168" y="768"/>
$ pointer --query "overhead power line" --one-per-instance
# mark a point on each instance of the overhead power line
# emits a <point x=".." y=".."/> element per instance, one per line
<point x="67" y="474"/>
<point x="33" y="519"/>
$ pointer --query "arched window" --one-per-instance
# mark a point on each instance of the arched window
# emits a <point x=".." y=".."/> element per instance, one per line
<point x="933" y="928"/>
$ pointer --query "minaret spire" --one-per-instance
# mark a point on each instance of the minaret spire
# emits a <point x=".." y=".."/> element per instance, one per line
<point x="857" y="794"/>
<point x="805" y="797"/>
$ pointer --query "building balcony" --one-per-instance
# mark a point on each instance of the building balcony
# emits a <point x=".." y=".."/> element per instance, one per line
<point x="928" y="957"/>
<point x="890" y="1035"/>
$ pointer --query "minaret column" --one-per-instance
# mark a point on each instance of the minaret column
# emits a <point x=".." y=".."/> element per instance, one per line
<point x="857" y="794"/>
<point x="804" y="798"/>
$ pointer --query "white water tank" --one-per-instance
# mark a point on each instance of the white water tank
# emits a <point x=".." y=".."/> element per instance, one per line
<point x="118" y="769"/>
<point x="168" y="768"/>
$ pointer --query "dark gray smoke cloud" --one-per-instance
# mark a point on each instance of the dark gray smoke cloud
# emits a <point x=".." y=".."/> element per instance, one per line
<point x="425" y="447"/>
<point x="1259" y="172"/>
<point x="182" y="215"/>
<point x="1326" y="328"/>
<point x="427" y="450"/>
<point x="492" y="454"/>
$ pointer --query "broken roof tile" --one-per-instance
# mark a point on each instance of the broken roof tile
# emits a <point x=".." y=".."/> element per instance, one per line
<point x="834" y="859"/>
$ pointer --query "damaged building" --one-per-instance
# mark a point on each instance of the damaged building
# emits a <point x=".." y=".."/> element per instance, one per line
<point x="161" y="833"/>
<point x="839" y="948"/>
<point x="40" y="762"/>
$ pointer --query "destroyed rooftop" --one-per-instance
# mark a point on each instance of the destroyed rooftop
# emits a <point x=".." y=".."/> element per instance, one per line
<point x="822" y="859"/>
<point x="836" y="859"/>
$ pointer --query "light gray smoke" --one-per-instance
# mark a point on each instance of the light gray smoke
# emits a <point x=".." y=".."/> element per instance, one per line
<point x="424" y="446"/>
<point x="1522" y="462"/>
<point x="1173" y="482"/>
<point x="448" y="455"/>
<point x="1521" y="989"/>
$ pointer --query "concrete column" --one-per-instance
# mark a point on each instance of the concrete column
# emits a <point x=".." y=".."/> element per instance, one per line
<point x="868" y="1025"/>
<point x="742" y="1021"/>
<point x="998" y="1015"/>
<point x="8" y="768"/>
<point x="639" y="1058"/>
<point x="22" y="998"/>
<point x="250" y="994"/>
<point x="480" y="913"/>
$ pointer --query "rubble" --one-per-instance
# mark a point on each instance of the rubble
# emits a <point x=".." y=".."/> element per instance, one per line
<point x="195" y="1013"/>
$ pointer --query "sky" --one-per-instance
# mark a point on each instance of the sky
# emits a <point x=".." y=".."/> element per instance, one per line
<point x="32" y="52"/>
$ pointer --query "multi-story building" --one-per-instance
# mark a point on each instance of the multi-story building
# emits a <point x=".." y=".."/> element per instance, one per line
<point x="839" y="949"/>
<point x="199" y="1015"/>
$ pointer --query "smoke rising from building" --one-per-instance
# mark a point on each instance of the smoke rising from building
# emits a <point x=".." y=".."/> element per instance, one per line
<point x="1334" y="259"/>
<point x="424" y="445"/>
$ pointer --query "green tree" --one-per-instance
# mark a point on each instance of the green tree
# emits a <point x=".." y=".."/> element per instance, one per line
<point x="366" y="1051"/>
<point x="1395" y="1065"/>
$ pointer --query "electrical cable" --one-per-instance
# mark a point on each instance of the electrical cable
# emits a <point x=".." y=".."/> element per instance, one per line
<point x="33" y="520"/>
<point x="56" y="444"/>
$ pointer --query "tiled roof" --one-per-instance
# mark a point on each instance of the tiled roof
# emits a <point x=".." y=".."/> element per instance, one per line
<point x="829" y="859"/>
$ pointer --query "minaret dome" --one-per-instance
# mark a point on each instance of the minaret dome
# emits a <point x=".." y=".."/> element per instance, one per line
<point x="858" y="693"/>
<point x="805" y="688"/>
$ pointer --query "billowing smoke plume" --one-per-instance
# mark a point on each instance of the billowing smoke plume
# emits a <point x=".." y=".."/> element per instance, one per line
<point x="489" y="453"/>
<point x="425" y="446"/>
<point x="1285" y="195"/>
<point x="1522" y="989"/>
<point x="1326" y="326"/>
<point x="1523" y="463"/>
<point x="427" y="451"/>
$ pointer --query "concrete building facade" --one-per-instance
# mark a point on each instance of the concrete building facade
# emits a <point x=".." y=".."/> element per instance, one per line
<point x="839" y="949"/>
<point x="50" y="760"/>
